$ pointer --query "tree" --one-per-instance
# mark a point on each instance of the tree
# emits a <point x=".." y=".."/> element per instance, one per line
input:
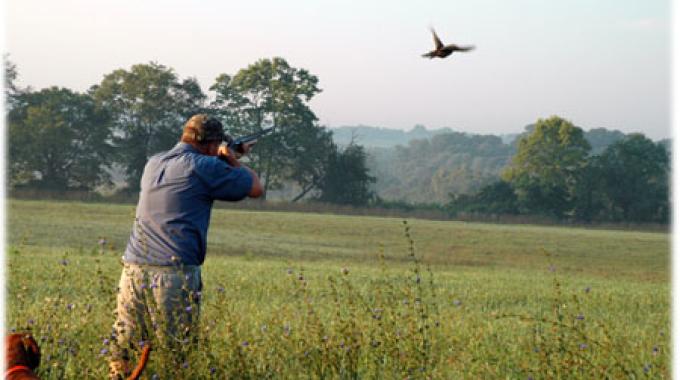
<point x="635" y="172"/>
<point x="58" y="140"/>
<point x="11" y="89"/>
<point x="600" y="138"/>
<point x="346" y="180"/>
<point x="496" y="198"/>
<point x="310" y="164"/>
<point x="149" y="105"/>
<point x="545" y="170"/>
<point x="271" y="92"/>
<point x="588" y="198"/>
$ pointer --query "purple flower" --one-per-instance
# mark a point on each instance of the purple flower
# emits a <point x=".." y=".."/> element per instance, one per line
<point x="185" y="365"/>
<point x="220" y="289"/>
<point x="289" y="271"/>
<point x="155" y="376"/>
<point x="31" y="321"/>
<point x="583" y="346"/>
<point x="141" y="344"/>
<point x="60" y="341"/>
<point x="580" y="317"/>
<point x="69" y="306"/>
<point x="106" y="341"/>
<point x="213" y="370"/>
<point x="655" y="350"/>
<point x="587" y="289"/>
<point x="143" y="286"/>
<point x="646" y="368"/>
<point x="245" y="343"/>
<point x="188" y="309"/>
<point x="457" y="302"/>
<point x="64" y="262"/>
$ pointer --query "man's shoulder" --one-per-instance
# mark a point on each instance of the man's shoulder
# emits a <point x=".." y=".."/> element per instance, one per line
<point x="179" y="151"/>
<point x="204" y="163"/>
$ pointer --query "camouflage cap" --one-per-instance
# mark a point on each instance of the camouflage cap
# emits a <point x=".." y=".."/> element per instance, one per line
<point x="202" y="129"/>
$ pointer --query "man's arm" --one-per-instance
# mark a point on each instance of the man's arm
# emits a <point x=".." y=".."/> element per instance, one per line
<point x="256" y="189"/>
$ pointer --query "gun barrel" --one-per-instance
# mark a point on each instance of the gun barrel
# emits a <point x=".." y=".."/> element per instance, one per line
<point x="246" y="139"/>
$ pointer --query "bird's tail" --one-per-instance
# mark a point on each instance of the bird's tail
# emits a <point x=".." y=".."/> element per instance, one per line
<point x="428" y="55"/>
<point x="466" y="48"/>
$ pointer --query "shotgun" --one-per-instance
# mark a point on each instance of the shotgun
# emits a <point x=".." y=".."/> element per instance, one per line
<point x="236" y="144"/>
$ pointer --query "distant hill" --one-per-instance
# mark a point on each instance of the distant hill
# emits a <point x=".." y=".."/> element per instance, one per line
<point x="375" y="137"/>
<point x="424" y="165"/>
<point x="428" y="170"/>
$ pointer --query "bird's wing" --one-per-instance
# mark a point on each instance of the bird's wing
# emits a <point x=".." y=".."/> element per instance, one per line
<point x="454" y="47"/>
<point x="437" y="42"/>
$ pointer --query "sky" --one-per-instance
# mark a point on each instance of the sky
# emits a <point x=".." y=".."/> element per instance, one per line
<point x="604" y="63"/>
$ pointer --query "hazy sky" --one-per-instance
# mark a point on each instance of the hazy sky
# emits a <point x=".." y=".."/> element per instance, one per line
<point x="603" y="63"/>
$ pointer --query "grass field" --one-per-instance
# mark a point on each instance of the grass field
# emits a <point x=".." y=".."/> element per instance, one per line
<point x="291" y="295"/>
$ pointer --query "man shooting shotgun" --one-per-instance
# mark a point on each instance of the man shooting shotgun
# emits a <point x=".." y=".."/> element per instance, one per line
<point x="160" y="287"/>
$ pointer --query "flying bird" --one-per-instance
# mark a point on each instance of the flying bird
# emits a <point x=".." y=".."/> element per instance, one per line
<point x="442" y="51"/>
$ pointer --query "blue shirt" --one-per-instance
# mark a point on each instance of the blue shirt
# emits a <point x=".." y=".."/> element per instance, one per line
<point x="178" y="188"/>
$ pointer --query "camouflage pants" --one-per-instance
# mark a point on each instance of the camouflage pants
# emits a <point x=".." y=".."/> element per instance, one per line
<point x="155" y="303"/>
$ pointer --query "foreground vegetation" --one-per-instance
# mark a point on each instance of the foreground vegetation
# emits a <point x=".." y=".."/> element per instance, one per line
<point x="320" y="296"/>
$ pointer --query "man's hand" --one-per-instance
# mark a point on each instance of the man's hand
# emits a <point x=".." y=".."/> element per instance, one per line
<point x="231" y="156"/>
<point x="223" y="151"/>
<point x="240" y="151"/>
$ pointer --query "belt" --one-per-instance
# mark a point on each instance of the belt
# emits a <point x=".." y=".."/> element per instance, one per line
<point x="165" y="268"/>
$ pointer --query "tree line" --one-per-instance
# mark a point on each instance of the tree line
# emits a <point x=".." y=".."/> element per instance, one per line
<point x="64" y="140"/>
<point x="440" y="164"/>
<point x="554" y="174"/>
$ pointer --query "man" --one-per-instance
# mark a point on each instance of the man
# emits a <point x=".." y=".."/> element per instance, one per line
<point x="159" y="290"/>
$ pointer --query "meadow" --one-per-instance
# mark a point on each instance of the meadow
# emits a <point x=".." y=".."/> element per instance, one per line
<point x="308" y="296"/>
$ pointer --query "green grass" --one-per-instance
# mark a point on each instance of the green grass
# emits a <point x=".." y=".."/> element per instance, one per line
<point x="494" y="305"/>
